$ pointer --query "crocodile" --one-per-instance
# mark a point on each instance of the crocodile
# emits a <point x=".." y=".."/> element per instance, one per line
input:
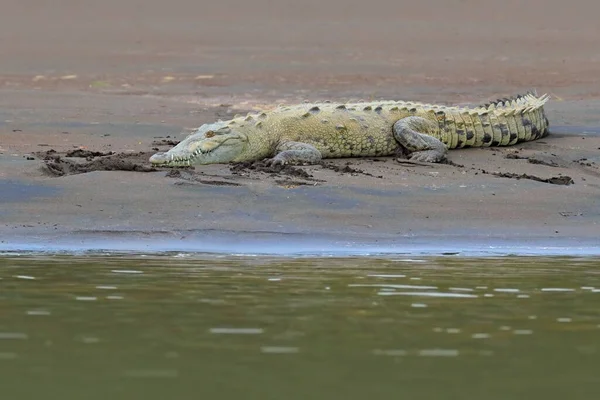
<point x="309" y="132"/>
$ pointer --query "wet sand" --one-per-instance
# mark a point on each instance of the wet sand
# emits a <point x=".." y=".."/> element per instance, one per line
<point x="130" y="77"/>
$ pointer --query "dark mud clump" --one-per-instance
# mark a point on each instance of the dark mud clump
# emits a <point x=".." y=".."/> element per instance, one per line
<point x="453" y="164"/>
<point x="87" y="154"/>
<point x="292" y="171"/>
<point x="346" y="169"/>
<point x="515" y="156"/>
<point x="68" y="164"/>
<point x="555" y="180"/>
<point x="548" y="163"/>
<point x="263" y="166"/>
<point x="174" y="173"/>
<point x="165" y="142"/>
<point x="539" y="159"/>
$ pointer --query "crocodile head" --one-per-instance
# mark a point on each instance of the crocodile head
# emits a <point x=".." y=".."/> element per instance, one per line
<point x="211" y="144"/>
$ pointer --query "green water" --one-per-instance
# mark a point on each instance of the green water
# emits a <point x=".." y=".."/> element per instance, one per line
<point x="173" y="327"/>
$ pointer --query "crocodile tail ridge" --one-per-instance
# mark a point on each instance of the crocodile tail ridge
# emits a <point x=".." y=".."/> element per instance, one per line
<point x="520" y="103"/>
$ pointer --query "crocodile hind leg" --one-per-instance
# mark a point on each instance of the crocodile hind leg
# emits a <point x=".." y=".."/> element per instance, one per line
<point x="295" y="152"/>
<point x="411" y="133"/>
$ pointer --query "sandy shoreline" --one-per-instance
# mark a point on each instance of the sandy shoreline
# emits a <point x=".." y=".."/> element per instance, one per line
<point x="376" y="204"/>
<point x="144" y="78"/>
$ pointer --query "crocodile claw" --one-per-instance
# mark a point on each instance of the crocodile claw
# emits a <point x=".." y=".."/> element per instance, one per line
<point x="275" y="162"/>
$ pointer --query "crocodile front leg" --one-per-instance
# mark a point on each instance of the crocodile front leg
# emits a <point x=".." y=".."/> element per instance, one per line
<point x="411" y="133"/>
<point x="294" y="152"/>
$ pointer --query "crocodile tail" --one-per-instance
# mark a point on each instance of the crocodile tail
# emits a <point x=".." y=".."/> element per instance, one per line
<point x="523" y="116"/>
<point x="503" y="122"/>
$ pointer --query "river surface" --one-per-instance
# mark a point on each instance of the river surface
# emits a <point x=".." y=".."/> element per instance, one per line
<point x="178" y="326"/>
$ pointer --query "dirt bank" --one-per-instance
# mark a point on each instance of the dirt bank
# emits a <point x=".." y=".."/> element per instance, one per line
<point x="89" y="90"/>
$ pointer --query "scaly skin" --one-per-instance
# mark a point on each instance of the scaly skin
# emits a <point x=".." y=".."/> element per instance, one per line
<point x="309" y="132"/>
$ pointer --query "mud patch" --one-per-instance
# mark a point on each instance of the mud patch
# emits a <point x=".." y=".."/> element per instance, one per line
<point x="290" y="183"/>
<point x="165" y="142"/>
<point x="568" y="214"/>
<point x="243" y="168"/>
<point x="56" y="164"/>
<point x="585" y="162"/>
<point x="555" y="180"/>
<point x="453" y="164"/>
<point x="193" y="182"/>
<point x="87" y="154"/>
<point x="346" y="169"/>
<point x="188" y="177"/>
<point x="539" y="159"/>
<point x="160" y="142"/>
<point x="286" y="176"/>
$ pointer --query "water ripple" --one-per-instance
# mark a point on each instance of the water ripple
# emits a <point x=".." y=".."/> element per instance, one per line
<point x="237" y="331"/>
<point x="127" y="271"/>
<point x="28" y="277"/>
<point x="522" y="331"/>
<point x="38" y="312"/>
<point x="279" y="349"/>
<point x="439" y="353"/>
<point x="430" y="294"/>
<point x="151" y="373"/>
<point x="392" y="286"/>
<point x="86" y="298"/>
<point x="13" y="335"/>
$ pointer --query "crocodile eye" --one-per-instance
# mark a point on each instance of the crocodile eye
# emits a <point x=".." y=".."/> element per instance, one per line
<point x="209" y="134"/>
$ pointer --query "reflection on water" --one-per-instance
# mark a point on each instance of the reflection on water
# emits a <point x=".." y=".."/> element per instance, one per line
<point x="98" y="327"/>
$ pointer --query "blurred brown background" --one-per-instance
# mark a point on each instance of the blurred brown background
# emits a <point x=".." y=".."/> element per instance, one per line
<point x="465" y="45"/>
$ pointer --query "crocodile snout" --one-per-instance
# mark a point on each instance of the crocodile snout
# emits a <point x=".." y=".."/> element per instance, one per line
<point x="159" y="158"/>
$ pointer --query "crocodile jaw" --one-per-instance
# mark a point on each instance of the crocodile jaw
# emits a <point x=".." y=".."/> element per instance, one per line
<point x="207" y="146"/>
